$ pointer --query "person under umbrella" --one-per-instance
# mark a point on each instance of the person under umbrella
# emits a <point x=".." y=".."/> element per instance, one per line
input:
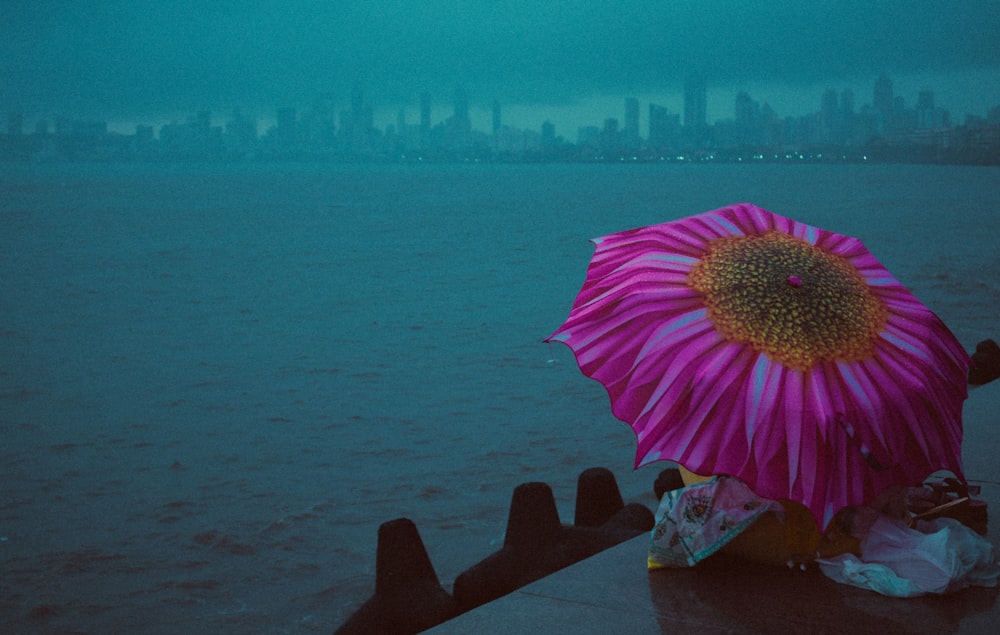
<point x="781" y="360"/>
<point x="782" y="533"/>
<point x="985" y="366"/>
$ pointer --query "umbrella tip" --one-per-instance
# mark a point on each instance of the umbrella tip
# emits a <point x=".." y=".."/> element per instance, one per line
<point x="794" y="281"/>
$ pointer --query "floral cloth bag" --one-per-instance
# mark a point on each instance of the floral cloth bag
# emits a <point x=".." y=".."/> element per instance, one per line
<point x="695" y="521"/>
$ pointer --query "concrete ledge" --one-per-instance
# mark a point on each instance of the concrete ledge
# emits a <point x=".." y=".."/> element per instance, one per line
<point x="613" y="592"/>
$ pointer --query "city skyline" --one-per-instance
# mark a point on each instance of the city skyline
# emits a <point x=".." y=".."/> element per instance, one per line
<point x="845" y="127"/>
<point x="482" y="119"/>
<point x="569" y="117"/>
<point x="720" y="104"/>
<point x="126" y="62"/>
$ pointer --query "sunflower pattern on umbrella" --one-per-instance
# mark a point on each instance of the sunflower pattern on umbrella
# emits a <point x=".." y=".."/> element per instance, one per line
<point x="744" y="343"/>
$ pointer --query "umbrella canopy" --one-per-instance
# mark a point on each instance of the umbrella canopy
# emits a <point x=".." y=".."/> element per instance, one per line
<point x="741" y="342"/>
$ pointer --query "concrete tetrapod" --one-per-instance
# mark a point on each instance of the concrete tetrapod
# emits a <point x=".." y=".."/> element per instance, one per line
<point x="537" y="543"/>
<point x="408" y="596"/>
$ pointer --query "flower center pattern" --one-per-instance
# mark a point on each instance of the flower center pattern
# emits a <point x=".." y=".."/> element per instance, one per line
<point x="788" y="299"/>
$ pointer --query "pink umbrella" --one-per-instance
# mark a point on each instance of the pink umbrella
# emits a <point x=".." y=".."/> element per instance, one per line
<point x="741" y="342"/>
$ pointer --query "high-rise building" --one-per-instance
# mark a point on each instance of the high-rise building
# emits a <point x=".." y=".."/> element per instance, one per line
<point x="882" y="97"/>
<point x="928" y="115"/>
<point x="829" y="117"/>
<point x="359" y="117"/>
<point x="631" y="132"/>
<point x="695" y="104"/>
<point x="746" y="113"/>
<point x="664" y="128"/>
<point x="588" y="136"/>
<point x="548" y="134"/>
<point x="745" y="110"/>
<point x="883" y="101"/>
<point x="610" y="136"/>
<point x="657" y="125"/>
<point x="925" y="100"/>
<point x="847" y="118"/>
<point x="241" y="133"/>
<point x="357" y="123"/>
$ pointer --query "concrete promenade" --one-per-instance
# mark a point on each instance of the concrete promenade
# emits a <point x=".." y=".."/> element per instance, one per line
<point x="612" y="592"/>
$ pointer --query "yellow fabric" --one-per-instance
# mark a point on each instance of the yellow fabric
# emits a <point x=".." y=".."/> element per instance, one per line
<point x="690" y="477"/>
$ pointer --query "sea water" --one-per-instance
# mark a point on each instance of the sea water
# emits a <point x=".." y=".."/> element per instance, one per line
<point x="216" y="382"/>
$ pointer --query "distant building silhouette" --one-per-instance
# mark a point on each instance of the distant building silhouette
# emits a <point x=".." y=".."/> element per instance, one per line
<point x="631" y="138"/>
<point x="318" y="128"/>
<point x="695" y="110"/>
<point x="746" y="115"/>
<point x="664" y="129"/>
<point x="610" y="142"/>
<point x="930" y="117"/>
<point x="882" y="100"/>
<point x="357" y="125"/>
<point x="240" y="136"/>
<point x="548" y="134"/>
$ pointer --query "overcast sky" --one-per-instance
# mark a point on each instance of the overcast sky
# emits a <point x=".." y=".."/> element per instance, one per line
<point x="573" y="63"/>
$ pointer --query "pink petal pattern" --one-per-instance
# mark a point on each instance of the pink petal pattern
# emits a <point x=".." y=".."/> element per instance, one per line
<point x="831" y="435"/>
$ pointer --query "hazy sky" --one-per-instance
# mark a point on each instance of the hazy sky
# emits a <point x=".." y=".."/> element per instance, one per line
<point x="573" y="63"/>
